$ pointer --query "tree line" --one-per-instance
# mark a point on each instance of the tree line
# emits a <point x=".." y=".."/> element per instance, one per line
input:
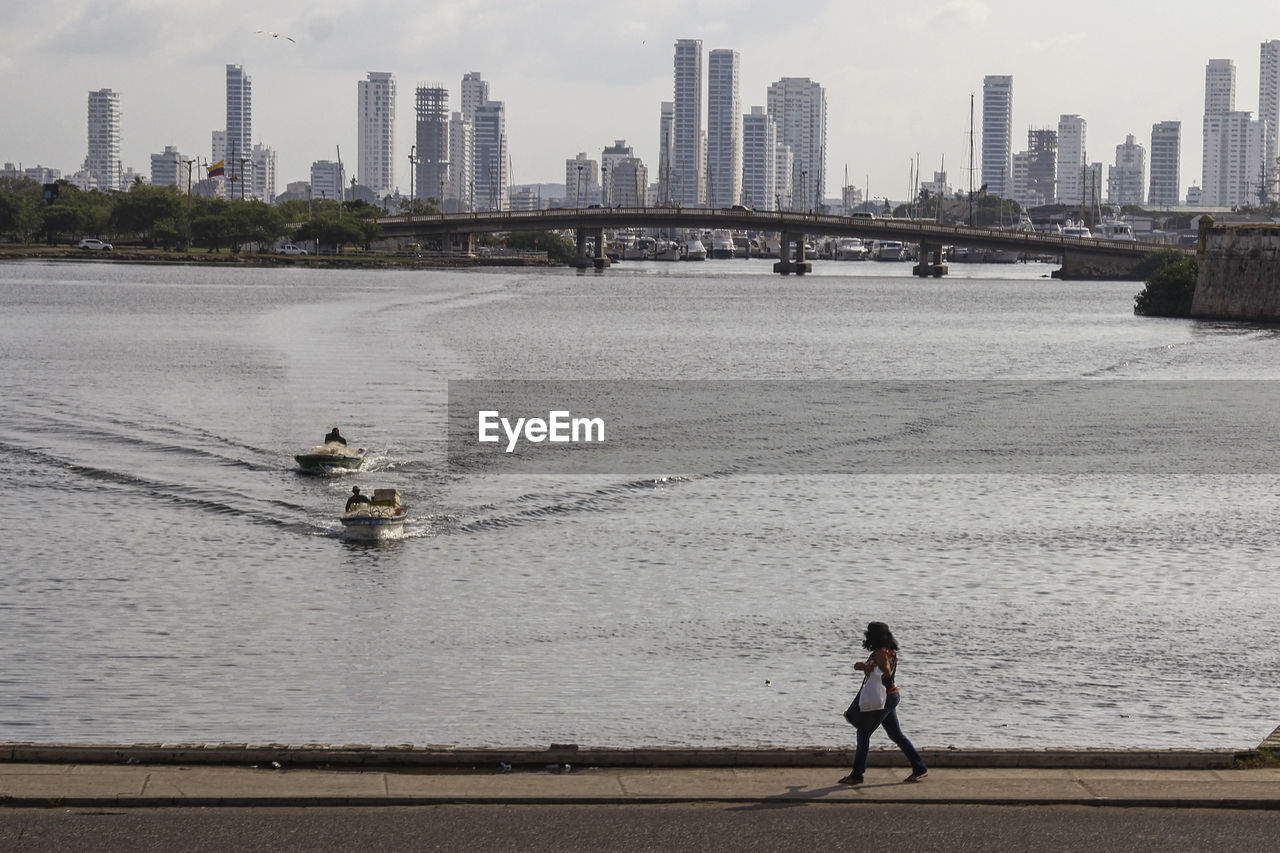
<point x="164" y="217"/>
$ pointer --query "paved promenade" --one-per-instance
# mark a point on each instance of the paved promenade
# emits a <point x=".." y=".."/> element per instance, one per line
<point x="237" y="775"/>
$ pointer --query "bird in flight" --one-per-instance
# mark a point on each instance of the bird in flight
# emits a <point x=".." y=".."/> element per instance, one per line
<point x="276" y="35"/>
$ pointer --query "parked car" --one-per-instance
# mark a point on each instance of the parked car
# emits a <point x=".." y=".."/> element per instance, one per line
<point x="93" y="244"/>
<point x="290" y="249"/>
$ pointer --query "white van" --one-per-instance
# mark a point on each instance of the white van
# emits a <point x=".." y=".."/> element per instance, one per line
<point x="290" y="249"/>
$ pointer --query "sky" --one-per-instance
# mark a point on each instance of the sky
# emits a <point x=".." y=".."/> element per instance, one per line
<point x="577" y="76"/>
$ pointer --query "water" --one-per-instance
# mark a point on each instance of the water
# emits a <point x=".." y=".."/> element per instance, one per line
<point x="168" y="576"/>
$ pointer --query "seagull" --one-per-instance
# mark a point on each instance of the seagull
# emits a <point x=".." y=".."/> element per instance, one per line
<point x="275" y="35"/>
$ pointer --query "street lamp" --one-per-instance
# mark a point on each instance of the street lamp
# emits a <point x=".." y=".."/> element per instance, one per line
<point x="189" y="163"/>
<point x="579" y="189"/>
<point x="413" y="162"/>
<point x="804" y="188"/>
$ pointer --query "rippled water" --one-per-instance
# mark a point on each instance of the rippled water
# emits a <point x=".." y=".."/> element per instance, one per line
<point x="168" y="576"/>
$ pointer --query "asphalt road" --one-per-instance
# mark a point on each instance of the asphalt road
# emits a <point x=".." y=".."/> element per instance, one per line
<point x="776" y="828"/>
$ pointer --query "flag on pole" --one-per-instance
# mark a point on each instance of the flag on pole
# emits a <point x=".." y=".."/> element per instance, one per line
<point x="216" y="170"/>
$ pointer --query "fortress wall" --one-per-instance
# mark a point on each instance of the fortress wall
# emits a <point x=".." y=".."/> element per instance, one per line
<point x="1239" y="276"/>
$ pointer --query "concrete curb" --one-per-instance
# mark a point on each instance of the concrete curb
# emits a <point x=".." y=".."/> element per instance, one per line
<point x="487" y="758"/>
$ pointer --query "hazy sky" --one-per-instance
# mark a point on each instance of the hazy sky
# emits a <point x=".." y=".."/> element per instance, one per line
<point x="576" y="76"/>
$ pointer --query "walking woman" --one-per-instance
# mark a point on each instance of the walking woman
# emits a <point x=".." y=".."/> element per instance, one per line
<point x="877" y="702"/>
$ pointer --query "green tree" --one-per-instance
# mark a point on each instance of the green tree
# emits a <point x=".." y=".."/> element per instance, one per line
<point x="1170" y="289"/>
<point x="21" y="200"/>
<point x="148" y="212"/>
<point x="76" y="214"/>
<point x="557" y="248"/>
<point x="417" y="207"/>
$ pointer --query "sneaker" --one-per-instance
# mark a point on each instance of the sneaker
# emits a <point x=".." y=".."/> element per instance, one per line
<point x="850" y="780"/>
<point x="916" y="777"/>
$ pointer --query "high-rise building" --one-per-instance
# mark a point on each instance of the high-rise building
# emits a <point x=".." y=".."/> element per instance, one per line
<point x="491" y="173"/>
<point x="724" y="129"/>
<point x="581" y="181"/>
<point x="1126" y="180"/>
<point x="759" y="160"/>
<point x="997" y="133"/>
<point x="610" y="157"/>
<point x="799" y="107"/>
<point x="376" y="146"/>
<point x="666" y="148"/>
<point x="784" y="176"/>
<point x="628" y="181"/>
<point x="1020" y="181"/>
<point x="461" y="170"/>
<point x="1069" y="180"/>
<point x="326" y="181"/>
<point x="1220" y="86"/>
<point x="1042" y="144"/>
<point x="1234" y="143"/>
<point x="686" y="160"/>
<point x="432" y="110"/>
<point x="475" y="91"/>
<point x="1269" y="112"/>
<point x="168" y="168"/>
<point x="103" y="160"/>
<point x="1166" y="153"/>
<point x="265" y="169"/>
<point x="238" y="153"/>
<point x="1234" y="150"/>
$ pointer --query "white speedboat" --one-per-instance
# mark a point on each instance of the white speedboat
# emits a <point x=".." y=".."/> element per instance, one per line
<point x="381" y="518"/>
<point x="1076" y="228"/>
<point x="721" y="244"/>
<point x="851" y="249"/>
<point x="694" y="251"/>
<point x="1114" y="229"/>
<point x="888" y="250"/>
<point x="329" y="457"/>
<point x="666" y="250"/>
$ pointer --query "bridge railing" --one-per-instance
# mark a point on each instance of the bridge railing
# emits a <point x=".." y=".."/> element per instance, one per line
<point x="786" y="220"/>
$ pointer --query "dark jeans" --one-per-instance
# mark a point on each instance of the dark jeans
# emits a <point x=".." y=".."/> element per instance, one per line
<point x="867" y="722"/>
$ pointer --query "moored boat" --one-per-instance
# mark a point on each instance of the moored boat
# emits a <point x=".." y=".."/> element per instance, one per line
<point x="693" y="251"/>
<point x="381" y="518"/>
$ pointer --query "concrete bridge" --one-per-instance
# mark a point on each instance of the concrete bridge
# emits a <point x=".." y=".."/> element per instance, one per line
<point x="1081" y="257"/>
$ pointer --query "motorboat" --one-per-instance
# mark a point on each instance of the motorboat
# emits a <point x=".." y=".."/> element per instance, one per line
<point x="329" y="457"/>
<point x="666" y="250"/>
<point x="694" y="251"/>
<point x="721" y="244"/>
<point x="383" y="517"/>
<point x="1117" y="230"/>
<point x="851" y="249"/>
<point x="641" y="250"/>
<point x="888" y="250"/>
<point x="1076" y="228"/>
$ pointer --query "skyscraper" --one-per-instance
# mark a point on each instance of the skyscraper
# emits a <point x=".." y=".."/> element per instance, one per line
<point x="239" y="138"/>
<point x="491" y="174"/>
<point x="376" y="149"/>
<point x="461" y="170"/>
<point x="1126" y="179"/>
<point x="610" y="157"/>
<point x="475" y="91"/>
<point x="666" y="148"/>
<point x="724" y="129"/>
<point x="1166" y="153"/>
<point x="759" y="160"/>
<point x="997" y="132"/>
<point x="168" y="168"/>
<point x="686" y="160"/>
<point x="1234" y="150"/>
<point x="799" y="107"/>
<point x="1269" y="111"/>
<point x="1070" y="178"/>
<point x="103" y="159"/>
<point x="1042" y="144"/>
<point x="432" y="139"/>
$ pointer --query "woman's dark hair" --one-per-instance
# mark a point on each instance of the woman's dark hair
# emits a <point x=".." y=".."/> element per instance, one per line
<point x="879" y="636"/>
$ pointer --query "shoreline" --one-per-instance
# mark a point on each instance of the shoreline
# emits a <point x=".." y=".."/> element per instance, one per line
<point x="361" y="260"/>
<point x="430" y="759"/>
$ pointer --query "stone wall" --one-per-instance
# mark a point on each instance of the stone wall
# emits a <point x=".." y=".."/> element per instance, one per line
<point x="1239" y="276"/>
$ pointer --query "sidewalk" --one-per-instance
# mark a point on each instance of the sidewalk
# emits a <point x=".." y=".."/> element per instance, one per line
<point x="315" y="782"/>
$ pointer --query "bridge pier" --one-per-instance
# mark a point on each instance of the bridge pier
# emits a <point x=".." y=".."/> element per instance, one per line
<point x="598" y="258"/>
<point x="925" y="268"/>
<point x="785" y="265"/>
<point x="460" y="244"/>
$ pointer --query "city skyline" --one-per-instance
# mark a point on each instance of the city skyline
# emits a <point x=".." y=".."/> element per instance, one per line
<point x="577" y="79"/>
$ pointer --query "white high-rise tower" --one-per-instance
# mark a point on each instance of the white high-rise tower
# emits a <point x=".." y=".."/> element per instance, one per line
<point x="376" y="144"/>
<point x="103" y="159"/>
<point x="686" y="160"/>
<point x="239" y="139"/>
<point x="799" y="107"/>
<point x="1069" y="183"/>
<point x="724" y="129"/>
<point x="1269" y="112"/>
<point x="997" y="133"/>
